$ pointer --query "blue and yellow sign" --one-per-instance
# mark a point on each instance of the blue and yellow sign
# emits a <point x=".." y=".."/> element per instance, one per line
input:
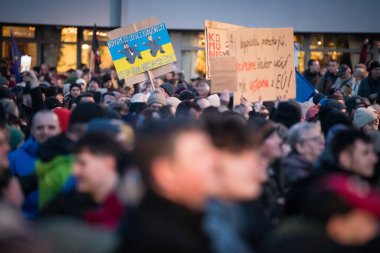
<point x="141" y="51"/>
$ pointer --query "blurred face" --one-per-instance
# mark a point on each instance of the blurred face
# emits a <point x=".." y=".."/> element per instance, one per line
<point x="362" y="159"/>
<point x="156" y="106"/>
<point x="91" y="170"/>
<point x="371" y="126"/>
<point x="193" y="168"/>
<point x="311" y="145"/>
<point x="240" y="175"/>
<point x="203" y="90"/>
<point x="332" y="67"/>
<point x="75" y="92"/>
<point x="314" y="67"/>
<point x="272" y="146"/>
<point x="375" y="73"/>
<point x="93" y="86"/>
<point x="4" y="149"/>
<point x="45" y="126"/>
<point x="108" y="99"/>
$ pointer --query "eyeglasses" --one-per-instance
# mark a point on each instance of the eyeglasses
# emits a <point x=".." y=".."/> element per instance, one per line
<point x="318" y="139"/>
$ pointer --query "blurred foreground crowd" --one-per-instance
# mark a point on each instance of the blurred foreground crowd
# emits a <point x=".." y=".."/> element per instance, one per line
<point x="91" y="164"/>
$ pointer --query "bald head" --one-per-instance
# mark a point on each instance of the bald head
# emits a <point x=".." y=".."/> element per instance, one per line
<point x="45" y="125"/>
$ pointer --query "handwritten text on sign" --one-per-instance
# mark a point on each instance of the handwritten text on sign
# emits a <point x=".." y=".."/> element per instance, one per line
<point x="265" y="66"/>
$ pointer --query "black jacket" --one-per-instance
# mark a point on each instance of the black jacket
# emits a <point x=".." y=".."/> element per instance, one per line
<point x="159" y="225"/>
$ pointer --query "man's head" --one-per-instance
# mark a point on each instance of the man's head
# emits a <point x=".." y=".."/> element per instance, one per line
<point x="126" y="45"/>
<point x="375" y="70"/>
<point x="344" y="71"/>
<point x="45" y="124"/>
<point x="354" y="151"/>
<point x="332" y="67"/>
<point x="98" y="158"/>
<point x="366" y="119"/>
<point x="108" y="98"/>
<point x="240" y="168"/>
<point x="150" y="38"/>
<point x="177" y="161"/>
<point x="93" y="85"/>
<point x="313" y="66"/>
<point x="203" y="89"/>
<point x="306" y="140"/>
<point x="86" y="98"/>
<point x="75" y="90"/>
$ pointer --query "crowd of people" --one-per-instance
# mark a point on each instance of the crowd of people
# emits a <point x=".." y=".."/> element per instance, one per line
<point x="92" y="164"/>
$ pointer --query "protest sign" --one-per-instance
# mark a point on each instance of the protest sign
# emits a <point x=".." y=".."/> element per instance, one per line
<point x="26" y="61"/>
<point x="141" y="51"/>
<point x="265" y="63"/>
<point x="216" y="41"/>
<point x="223" y="72"/>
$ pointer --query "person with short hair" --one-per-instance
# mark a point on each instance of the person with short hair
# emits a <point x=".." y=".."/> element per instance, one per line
<point x="312" y="73"/>
<point x="45" y="125"/>
<point x="169" y="218"/>
<point x="307" y="144"/>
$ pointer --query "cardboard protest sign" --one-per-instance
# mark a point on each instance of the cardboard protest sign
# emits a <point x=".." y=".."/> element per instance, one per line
<point x="216" y="41"/>
<point x="265" y="63"/>
<point x="224" y="74"/>
<point x="141" y="51"/>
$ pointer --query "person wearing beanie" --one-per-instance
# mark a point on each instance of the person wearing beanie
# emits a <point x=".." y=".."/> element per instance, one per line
<point x="370" y="86"/>
<point x="186" y="95"/>
<point x="156" y="100"/>
<point x="75" y="91"/>
<point x="288" y="113"/>
<point x="317" y="98"/>
<point x="366" y="119"/>
<point x="167" y="89"/>
<point x="354" y="103"/>
<point x="63" y="117"/>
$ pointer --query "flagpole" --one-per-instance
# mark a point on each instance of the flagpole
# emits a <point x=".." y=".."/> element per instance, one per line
<point x="91" y="62"/>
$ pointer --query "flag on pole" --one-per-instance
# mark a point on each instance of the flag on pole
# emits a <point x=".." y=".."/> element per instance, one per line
<point x="304" y="90"/>
<point x="16" y="59"/>
<point x="95" y="49"/>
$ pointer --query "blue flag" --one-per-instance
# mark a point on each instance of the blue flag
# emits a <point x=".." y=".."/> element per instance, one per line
<point x="16" y="59"/>
<point x="304" y="90"/>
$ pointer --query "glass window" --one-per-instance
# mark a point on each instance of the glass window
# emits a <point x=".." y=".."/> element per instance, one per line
<point x="102" y="35"/>
<point x="19" y="31"/>
<point x="105" y="56"/>
<point x="25" y="48"/>
<point x="67" y="58"/>
<point x="69" y="34"/>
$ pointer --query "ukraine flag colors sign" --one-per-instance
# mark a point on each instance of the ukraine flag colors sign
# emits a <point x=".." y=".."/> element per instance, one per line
<point x="141" y="51"/>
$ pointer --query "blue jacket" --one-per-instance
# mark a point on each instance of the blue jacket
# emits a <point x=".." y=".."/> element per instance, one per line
<point x="22" y="163"/>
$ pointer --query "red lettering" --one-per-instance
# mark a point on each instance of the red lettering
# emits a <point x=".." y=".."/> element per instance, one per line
<point x="211" y="45"/>
<point x="256" y="84"/>
<point x="211" y="37"/>
<point x="217" y="37"/>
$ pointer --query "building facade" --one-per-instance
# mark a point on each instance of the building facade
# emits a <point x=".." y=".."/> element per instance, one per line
<point x="60" y="32"/>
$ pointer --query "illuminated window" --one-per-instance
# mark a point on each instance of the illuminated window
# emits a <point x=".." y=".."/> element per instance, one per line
<point x="69" y="34"/>
<point x="102" y="35"/>
<point x="19" y="31"/>
<point x="25" y="48"/>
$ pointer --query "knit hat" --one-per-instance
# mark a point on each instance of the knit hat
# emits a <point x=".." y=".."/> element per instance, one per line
<point x="168" y="88"/>
<point x="156" y="97"/>
<point x="355" y="102"/>
<point x="63" y="117"/>
<point x="186" y="95"/>
<point x="75" y="85"/>
<point x="288" y="113"/>
<point x="139" y="98"/>
<point x="9" y="106"/>
<point x="173" y="101"/>
<point x="214" y="100"/>
<point x="363" y="116"/>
